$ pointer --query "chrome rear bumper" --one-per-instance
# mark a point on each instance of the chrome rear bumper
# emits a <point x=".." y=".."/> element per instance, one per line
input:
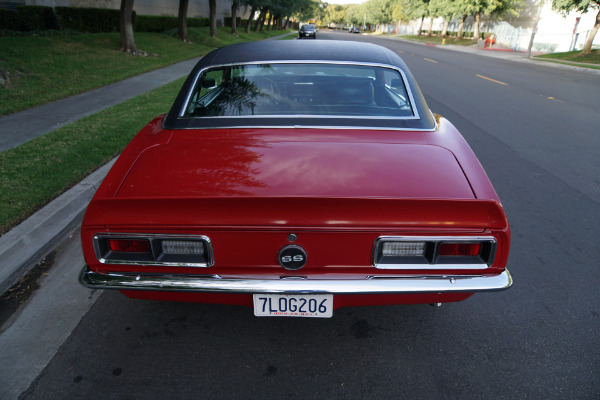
<point x="370" y="285"/>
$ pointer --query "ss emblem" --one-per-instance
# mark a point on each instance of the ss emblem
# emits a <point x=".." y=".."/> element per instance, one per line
<point x="292" y="257"/>
<point x="287" y="259"/>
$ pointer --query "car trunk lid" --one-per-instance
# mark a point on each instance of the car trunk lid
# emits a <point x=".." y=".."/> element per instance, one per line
<point x="284" y="168"/>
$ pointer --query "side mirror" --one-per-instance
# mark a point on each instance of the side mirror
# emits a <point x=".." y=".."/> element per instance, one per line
<point x="208" y="83"/>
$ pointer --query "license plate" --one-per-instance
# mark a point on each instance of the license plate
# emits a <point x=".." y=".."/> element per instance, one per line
<point x="293" y="305"/>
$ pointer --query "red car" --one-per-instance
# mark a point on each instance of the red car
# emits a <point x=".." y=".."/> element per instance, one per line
<point x="297" y="178"/>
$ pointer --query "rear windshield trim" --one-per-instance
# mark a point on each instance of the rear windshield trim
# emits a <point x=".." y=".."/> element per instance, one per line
<point x="409" y="92"/>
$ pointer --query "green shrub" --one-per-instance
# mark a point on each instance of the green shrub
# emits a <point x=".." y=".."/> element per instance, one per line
<point x="198" y="22"/>
<point x="36" y="18"/>
<point x="92" y="20"/>
<point x="151" y="23"/>
<point x="466" y="34"/>
<point x="9" y="20"/>
<point x="238" y="21"/>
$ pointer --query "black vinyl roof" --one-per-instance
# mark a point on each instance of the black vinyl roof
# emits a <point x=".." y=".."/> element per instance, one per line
<point x="320" y="50"/>
<point x="298" y="50"/>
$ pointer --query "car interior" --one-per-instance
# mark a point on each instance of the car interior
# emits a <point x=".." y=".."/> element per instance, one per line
<point x="301" y="91"/>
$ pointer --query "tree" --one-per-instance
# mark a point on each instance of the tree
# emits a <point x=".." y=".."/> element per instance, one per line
<point x="445" y="9"/>
<point x="212" y="5"/>
<point x="355" y="14"/>
<point x="416" y="9"/>
<point x="234" y="7"/>
<point x="260" y="22"/>
<point x="334" y="13"/>
<point x="379" y="11"/>
<point x="280" y="8"/>
<point x="182" y="20"/>
<point x="126" y="26"/>
<point x="250" y="19"/>
<point x="477" y="8"/>
<point x="583" y="6"/>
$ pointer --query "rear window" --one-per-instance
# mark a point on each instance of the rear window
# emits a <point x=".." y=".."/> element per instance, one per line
<point x="307" y="89"/>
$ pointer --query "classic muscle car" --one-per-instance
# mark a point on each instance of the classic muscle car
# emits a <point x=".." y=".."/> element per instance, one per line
<point x="297" y="178"/>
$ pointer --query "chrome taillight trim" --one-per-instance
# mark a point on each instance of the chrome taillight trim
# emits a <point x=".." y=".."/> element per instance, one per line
<point x="432" y="266"/>
<point x="153" y="238"/>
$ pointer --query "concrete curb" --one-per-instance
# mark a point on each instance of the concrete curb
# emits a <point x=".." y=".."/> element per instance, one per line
<point x="23" y="246"/>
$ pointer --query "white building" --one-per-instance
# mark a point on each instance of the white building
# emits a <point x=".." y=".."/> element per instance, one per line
<point x="196" y="8"/>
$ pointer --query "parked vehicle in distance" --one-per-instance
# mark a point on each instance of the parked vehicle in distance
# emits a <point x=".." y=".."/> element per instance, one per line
<point x="354" y="29"/>
<point x="307" y="31"/>
<point x="297" y="178"/>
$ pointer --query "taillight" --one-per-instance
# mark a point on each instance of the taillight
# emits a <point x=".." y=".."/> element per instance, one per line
<point x="424" y="252"/>
<point x="129" y="246"/>
<point x="459" y="249"/>
<point x="152" y="249"/>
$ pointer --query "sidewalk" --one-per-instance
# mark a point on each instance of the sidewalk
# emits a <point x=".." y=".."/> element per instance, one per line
<point x="26" y="244"/>
<point x="23" y="126"/>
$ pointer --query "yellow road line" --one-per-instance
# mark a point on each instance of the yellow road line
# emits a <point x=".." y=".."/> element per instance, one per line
<point x="430" y="60"/>
<point x="493" y="80"/>
<point x="558" y="101"/>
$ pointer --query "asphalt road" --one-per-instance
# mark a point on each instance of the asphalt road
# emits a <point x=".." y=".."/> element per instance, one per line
<point x="535" y="130"/>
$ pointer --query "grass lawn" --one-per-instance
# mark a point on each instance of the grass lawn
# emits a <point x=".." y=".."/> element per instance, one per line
<point x="439" y="40"/>
<point x="573" y="56"/>
<point x="47" y="68"/>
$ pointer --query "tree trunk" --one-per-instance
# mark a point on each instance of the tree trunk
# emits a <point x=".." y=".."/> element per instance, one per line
<point x="445" y="28"/>
<point x="476" y="25"/>
<point x="234" y="7"/>
<point x="421" y="26"/>
<point x="430" y="31"/>
<point x="126" y="26"/>
<point x="250" y="18"/>
<point x="182" y="22"/>
<point x="277" y="23"/>
<point x="262" y="25"/>
<point x="461" y="27"/>
<point x="260" y="20"/>
<point x="212" y="4"/>
<point x="588" y="44"/>
<point x="270" y="23"/>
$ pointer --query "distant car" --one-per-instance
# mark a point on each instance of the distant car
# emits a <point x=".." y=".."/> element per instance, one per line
<point x="307" y="31"/>
<point x="354" y="29"/>
<point x="297" y="178"/>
